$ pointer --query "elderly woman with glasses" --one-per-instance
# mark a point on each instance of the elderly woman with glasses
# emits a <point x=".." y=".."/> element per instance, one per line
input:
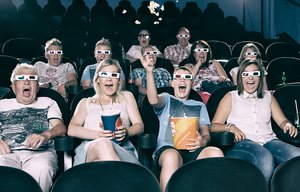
<point x="247" y="113"/>
<point x="162" y="76"/>
<point x="209" y="74"/>
<point x="249" y="51"/>
<point x="100" y="144"/>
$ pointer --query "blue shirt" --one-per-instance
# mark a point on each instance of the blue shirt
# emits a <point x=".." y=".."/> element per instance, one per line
<point x="175" y="107"/>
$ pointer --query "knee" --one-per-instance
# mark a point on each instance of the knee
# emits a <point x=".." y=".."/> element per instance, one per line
<point x="102" y="144"/>
<point x="170" y="157"/>
<point x="210" y="152"/>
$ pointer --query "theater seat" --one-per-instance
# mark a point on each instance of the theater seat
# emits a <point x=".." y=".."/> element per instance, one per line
<point x="217" y="174"/>
<point x="112" y="176"/>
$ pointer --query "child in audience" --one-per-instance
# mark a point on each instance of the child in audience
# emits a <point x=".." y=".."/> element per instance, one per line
<point x="55" y="74"/>
<point x="167" y="106"/>
<point x="249" y="51"/>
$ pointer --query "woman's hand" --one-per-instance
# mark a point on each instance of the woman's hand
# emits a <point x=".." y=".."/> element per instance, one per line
<point x="238" y="134"/>
<point x="121" y="133"/>
<point x="105" y="133"/>
<point x="291" y="129"/>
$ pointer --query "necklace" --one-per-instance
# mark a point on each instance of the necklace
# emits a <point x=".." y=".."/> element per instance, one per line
<point x="110" y="107"/>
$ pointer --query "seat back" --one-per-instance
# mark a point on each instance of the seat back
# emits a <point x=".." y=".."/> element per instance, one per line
<point x="23" y="48"/>
<point x="17" y="180"/>
<point x="215" y="98"/>
<point x="217" y="174"/>
<point x="281" y="49"/>
<point x="113" y="176"/>
<point x="7" y="65"/>
<point x="286" y="176"/>
<point x="237" y="48"/>
<point x="220" y="50"/>
<point x="288" y="97"/>
<point x="289" y="65"/>
<point x="82" y="94"/>
<point x="231" y="63"/>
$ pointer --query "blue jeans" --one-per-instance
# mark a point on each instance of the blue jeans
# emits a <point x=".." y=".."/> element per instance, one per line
<point x="265" y="157"/>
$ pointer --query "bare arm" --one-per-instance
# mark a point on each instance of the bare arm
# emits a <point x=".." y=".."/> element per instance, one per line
<point x="221" y="116"/>
<point x="281" y="120"/>
<point x="153" y="97"/>
<point x="58" y="128"/>
<point x="220" y="69"/>
<point x="76" y="129"/>
<point x="86" y="84"/>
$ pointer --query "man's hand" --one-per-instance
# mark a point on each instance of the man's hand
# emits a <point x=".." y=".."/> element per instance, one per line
<point x="4" y="148"/>
<point x="35" y="140"/>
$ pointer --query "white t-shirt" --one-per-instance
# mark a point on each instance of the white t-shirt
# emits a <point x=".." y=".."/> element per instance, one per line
<point x="18" y="121"/>
<point x="55" y="75"/>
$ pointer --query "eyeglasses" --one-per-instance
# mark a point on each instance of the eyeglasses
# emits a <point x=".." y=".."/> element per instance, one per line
<point x="252" y="73"/>
<point x="144" y="35"/>
<point x="183" y="35"/>
<point x="105" y="52"/>
<point x="183" y="76"/>
<point x="251" y="53"/>
<point x="201" y="50"/>
<point x="52" y="52"/>
<point x="106" y="74"/>
<point x="26" y="77"/>
<point x="150" y="53"/>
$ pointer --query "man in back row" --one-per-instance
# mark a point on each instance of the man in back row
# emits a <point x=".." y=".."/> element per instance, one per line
<point x="180" y="51"/>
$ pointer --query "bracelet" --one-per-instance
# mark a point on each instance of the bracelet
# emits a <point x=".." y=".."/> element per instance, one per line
<point x="227" y="126"/>
<point x="284" y="123"/>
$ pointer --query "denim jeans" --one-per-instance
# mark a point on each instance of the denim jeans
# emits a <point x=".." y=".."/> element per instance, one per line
<point x="265" y="157"/>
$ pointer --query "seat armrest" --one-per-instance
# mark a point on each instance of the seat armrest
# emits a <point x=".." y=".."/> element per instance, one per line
<point x="146" y="141"/>
<point x="223" y="140"/>
<point x="63" y="143"/>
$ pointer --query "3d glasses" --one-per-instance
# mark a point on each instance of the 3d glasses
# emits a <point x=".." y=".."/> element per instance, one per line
<point x="183" y="76"/>
<point x="252" y="73"/>
<point x="52" y="52"/>
<point x="106" y="74"/>
<point x="26" y="77"/>
<point x="105" y="52"/>
<point x="201" y="50"/>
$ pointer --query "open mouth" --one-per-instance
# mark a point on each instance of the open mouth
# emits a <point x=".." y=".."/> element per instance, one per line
<point x="182" y="88"/>
<point x="26" y="92"/>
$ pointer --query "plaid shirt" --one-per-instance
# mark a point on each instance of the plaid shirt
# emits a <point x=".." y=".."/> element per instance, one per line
<point x="177" y="53"/>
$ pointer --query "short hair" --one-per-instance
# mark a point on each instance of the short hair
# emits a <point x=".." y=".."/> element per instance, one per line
<point x="20" y="67"/>
<point x="251" y="46"/>
<point x="104" y="42"/>
<point x="245" y="63"/>
<point x="182" y="68"/>
<point x="100" y="66"/>
<point x="53" y="42"/>
<point x="184" y="29"/>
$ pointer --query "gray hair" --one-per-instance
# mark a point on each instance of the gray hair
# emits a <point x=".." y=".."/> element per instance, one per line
<point x="20" y="67"/>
